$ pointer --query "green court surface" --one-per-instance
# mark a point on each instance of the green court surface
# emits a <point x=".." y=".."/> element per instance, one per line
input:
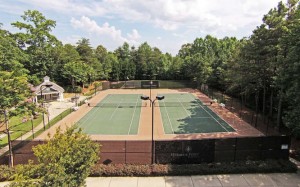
<point x="186" y="114"/>
<point x="116" y="114"/>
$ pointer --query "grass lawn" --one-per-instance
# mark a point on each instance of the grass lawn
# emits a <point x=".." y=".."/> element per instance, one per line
<point x="18" y="128"/>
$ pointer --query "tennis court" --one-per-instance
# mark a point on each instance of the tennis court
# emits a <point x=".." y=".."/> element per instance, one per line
<point x="116" y="114"/>
<point x="183" y="113"/>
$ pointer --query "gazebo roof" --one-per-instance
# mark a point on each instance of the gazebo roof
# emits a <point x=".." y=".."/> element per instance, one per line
<point x="54" y="86"/>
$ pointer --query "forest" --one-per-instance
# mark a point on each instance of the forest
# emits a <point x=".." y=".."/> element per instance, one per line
<point x="262" y="70"/>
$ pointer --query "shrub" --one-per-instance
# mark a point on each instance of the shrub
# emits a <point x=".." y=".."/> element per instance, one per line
<point x="120" y="170"/>
<point x="27" y="171"/>
<point x="67" y="158"/>
<point x="159" y="169"/>
<point x="27" y="183"/>
<point x="267" y="166"/>
<point x="70" y="89"/>
<point x="6" y="173"/>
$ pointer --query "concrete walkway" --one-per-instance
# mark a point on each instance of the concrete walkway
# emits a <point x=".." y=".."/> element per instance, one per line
<point x="54" y="108"/>
<point x="239" y="180"/>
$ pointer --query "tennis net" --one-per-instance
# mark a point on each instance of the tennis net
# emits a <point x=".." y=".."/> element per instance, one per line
<point x="191" y="104"/>
<point x="145" y="104"/>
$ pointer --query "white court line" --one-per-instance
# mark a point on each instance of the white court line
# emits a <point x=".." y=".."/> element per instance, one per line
<point x="168" y="117"/>
<point x="140" y="117"/>
<point x="112" y="115"/>
<point x="195" y="118"/>
<point x="94" y="111"/>
<point x="184" y="108"/>
<point x="213" y="118"/>
<point x="132" y="116"/>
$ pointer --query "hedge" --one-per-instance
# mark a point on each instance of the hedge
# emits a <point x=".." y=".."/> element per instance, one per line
<point x="268" y="166"/>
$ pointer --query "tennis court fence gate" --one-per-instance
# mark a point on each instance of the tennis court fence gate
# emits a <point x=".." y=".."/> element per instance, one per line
<point x="176" y="151"/>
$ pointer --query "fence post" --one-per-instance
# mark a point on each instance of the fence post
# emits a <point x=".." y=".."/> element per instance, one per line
<point x="125" y="152"/>
<point x="235" y="145"/>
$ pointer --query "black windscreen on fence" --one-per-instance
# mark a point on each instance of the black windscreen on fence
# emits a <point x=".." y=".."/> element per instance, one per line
<point x="184" y="151"/>
<point x="149" y="84"/>
<point x="222" y="150"/>
<point x="176" y="151"/>
<point x="158" y="84"/>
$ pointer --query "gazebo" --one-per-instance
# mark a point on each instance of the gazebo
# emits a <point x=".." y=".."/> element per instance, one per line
<point x="49" y="91"/>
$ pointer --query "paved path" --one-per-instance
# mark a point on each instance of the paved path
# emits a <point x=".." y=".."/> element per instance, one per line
<point x="55" y="108"/>
<point x="244" y="180"/>
<point x="239" y="180"/>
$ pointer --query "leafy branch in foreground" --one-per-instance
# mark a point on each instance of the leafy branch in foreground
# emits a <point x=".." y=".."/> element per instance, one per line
<point x="67" y="158"/>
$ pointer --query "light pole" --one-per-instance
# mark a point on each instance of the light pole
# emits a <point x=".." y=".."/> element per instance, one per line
<point x="158" y="97"/>
<point x="150" y="83"/>
<point x="95" y="85"/>
<point x="41" y="90"/>
<point x="31" y="119"/>
<point x="150" y="88"/>
<point x="10" y="158"/>
<point x="48" y="116"/>
<point x="126" y="79"/>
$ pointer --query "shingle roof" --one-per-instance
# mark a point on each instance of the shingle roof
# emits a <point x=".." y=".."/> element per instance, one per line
<point x="48" y="82"/>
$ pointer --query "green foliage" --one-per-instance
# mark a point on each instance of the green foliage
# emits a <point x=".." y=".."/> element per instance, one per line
<point x="37" y="42"/>
<point x="6" y="173"/>
<point x="14" y="88"/>
<point x="27" y="172"/>
<point x="104" y="69"/>
<point x="10" y="55"/>
<point x="67" y="158"/>
<point x="70" y="89"/>
<point x="97" y="84"/>
<point x="25" y="183"/>
<point x="114" y="64"/>
<point x="19" y="128"/>
<point x="289" y="77"/>
<point x="120" y="170"/>
<point x="63" y="55"/>
<point x="265" y="69"/>
<point x="176" y="84"/>
<point x="76" y="72"/>
<point x="34" y="173"/>
<point x="267" y="166"/>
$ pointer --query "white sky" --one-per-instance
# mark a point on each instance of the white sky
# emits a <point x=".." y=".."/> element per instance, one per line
<point x="166" y="24"/>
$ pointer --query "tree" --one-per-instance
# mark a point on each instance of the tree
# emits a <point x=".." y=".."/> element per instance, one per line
<point x="88" y="57"/>
<point x="66" y="159"/>
<point x="127" y="66"/>
<point x="289" y="77"/>
<point x="112" y="60"/>
<point x="142" y="58"/>
<point x="37" y="42"/>
<point x="63" y="55"/>
<point x="85" y="51"/>
<point x="174" y="72"/>
<point x="14" y="88"/>
<point x="103" y="69"/>
<point x="77" y="72"/>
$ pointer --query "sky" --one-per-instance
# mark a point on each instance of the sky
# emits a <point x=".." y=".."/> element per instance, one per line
<point x="165" y="24"/>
